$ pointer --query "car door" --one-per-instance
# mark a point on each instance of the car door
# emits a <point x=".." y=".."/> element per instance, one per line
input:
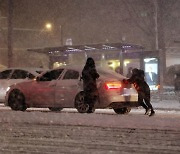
<point x="4" y="83"/>
<point x="67" y="88"/>
<point x="42" y="91"/>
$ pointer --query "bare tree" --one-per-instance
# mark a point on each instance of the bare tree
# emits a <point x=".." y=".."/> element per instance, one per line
<point x="161" y="13"/>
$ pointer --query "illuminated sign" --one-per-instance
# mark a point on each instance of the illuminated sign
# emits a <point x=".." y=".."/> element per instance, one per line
<point x="151" y="72"/>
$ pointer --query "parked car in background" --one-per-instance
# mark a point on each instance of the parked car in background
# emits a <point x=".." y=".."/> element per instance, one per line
<point x="15" y="75"/>
<point x="62" y="88"/>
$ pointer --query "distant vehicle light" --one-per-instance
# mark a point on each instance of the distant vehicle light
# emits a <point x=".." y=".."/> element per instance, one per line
<point x="154" y="87"/>
<point x="113" y="85"/>
<point x="158" y="86"/>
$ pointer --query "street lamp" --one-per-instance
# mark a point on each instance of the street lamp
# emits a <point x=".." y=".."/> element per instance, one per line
<point x="48" y="26"/>
<point x="61" y="33"/>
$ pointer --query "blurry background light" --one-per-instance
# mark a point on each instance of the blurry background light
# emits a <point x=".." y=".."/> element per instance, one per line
<point x="48" y="26"/>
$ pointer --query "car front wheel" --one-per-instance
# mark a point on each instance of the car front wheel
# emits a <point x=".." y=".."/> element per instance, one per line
<point x="17" y="100"/>
<point x="79" y="103"/>
<point x="124" y="110"/>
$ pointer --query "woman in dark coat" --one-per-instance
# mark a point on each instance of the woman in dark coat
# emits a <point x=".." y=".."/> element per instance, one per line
<point x="89" y="76"/>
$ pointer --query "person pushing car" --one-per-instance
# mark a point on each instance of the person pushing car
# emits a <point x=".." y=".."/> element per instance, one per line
<point x="142" y="88"/>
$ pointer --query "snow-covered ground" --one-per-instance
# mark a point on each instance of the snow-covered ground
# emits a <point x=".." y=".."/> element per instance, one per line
<point x="167" y="104"/>
<point x="103" y="132"/>
<point x="101" y="117"/>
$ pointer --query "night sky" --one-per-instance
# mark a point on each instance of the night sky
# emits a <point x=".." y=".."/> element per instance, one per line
<point x="90" y="21"/>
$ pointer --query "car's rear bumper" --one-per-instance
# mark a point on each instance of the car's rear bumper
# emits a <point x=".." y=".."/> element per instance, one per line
<point x="116" y="105"/>
<point x="123" y="100"/>
<point x="2" y="95"/>
<point x="2" y="100"/>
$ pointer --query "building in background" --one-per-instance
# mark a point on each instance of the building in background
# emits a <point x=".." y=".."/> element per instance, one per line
<point x="87" y="22"/>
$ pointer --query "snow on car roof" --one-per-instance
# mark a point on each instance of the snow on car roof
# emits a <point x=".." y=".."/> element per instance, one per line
<point x="33" y="70"/>
<point x="74" y="67"/>
<point x="102" y="70"/>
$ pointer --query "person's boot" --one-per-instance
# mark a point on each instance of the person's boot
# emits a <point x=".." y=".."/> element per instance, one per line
<point x="90" y="110"/>
<point x="147" y="111"/>
<point x="152" y="113"/>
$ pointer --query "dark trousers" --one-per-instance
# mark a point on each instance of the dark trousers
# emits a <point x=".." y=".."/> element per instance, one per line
<point x="144" y="100"/>
<point x="90" y="98"/>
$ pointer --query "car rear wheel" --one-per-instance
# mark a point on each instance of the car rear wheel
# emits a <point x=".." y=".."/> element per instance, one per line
<point x="17" y="100"/>
<point x="55" y="109"/>
<point x="79" y="103"/>
<point x="124" y="110"/>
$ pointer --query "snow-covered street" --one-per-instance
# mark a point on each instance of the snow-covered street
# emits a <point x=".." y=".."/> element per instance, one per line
<point x="42" y="131"/>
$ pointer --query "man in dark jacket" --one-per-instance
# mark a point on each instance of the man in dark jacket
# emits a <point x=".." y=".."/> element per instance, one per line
<point x="89" y="76"/>
<point x="142" y="88"/>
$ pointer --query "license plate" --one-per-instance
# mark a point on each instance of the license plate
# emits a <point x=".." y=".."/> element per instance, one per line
<point x="128" y="91"/>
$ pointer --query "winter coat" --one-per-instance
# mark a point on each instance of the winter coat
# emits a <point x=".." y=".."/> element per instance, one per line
<point x="89" y="76"/>
<point x="139" y="82"/>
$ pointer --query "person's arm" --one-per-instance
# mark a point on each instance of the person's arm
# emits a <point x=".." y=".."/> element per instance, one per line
<point x="84" y="75"/>
<point x="95" y="74"/>
<point x="130" y="80"/>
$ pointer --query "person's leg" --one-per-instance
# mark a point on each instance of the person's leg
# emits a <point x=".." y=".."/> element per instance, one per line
<point x="86" y="97"/>
<point x="147" y="101"/>
<point x="91" y="103"/>
<point x="147" y="98"/>
<point x="149" y="106"/>
<point x="141" y="102"/>
<point x="94" y="98"/>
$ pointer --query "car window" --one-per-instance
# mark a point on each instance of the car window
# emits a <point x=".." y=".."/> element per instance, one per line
<point x="5" y="74"/>
<point x="71" y="74"/>
<point x="51" y="75"/>
<point x="19" y="74"/>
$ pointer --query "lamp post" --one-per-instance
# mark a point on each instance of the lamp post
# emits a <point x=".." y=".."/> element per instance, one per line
<point x="61" y="35"/>
<point x="48" y="27"/>
<point x="10" y="30"/>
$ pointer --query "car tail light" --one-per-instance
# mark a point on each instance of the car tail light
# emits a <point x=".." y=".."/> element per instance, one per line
<point x="113" y="85"/>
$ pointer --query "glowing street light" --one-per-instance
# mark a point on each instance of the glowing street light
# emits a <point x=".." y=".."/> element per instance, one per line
<point x="48" y="26"/>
